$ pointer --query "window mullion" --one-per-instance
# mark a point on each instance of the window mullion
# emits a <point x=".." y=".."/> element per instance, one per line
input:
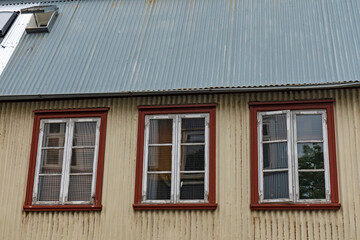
<point x="67" y="160"/>
<point x="294" y="160"/>
<point x="175" y="188"/>
<point x="291" y="152"/>
<point x="260" y="158"/>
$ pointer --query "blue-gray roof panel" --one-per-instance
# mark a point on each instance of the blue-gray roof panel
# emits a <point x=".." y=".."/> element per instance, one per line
<point x="163" y="45"/>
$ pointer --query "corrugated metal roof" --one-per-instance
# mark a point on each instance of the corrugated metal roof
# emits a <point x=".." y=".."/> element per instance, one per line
<point x="138" y="46"/>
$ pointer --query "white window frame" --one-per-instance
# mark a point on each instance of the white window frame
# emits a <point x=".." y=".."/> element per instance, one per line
<point x="176" y="156"/>
<point x="293" y="171"/>
<point x="65" y="175"/>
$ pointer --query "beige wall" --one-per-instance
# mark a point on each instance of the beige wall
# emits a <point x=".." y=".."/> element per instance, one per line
<point x="232" y="219"/>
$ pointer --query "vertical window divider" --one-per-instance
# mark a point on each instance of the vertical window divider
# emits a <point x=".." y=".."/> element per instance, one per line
<point x="289" y="130"/>
<point x="295" y="157"/>
<point x="67" y="160"/>
<point x="177" y="150"/>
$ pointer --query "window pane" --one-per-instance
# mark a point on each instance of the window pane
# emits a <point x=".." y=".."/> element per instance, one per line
<point x="80" y="188"/>
<point x="51" y="161"/>
<point x="275" y="155"/>
<point x="276" y="185"/>
<point x="158" y="186"/>
<point x="191" y="186"/>
<point x="193" y="130"/>
<point x="160" y="131"/>
<point x="192" y="158"/>
<point x="82" y="161"/>
<point x="312" y="185"/>
<point x="159" y="158"/>
<point x="309" y="127"/>
<point x="49" y="188"/>
<point x="84" y="134"/>
<point x="310" y="156"/>
<point x="54" y="134"/>
<point x="274" y="127"/>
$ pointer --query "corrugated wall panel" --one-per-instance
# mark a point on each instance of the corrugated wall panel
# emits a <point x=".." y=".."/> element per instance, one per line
<point x="232" y="219"/>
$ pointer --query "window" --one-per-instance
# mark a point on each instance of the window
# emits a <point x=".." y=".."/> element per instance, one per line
<point x="176" y="158"/>
<point x="42" y="19"/>
<point x="6" y="20"/>
<point x="293" y="155"/>
<point x="66" y="162"/>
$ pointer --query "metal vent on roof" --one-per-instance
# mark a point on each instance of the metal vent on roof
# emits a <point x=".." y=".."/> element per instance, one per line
<point x="6" y="19"/>
<point x="43" y="18"/>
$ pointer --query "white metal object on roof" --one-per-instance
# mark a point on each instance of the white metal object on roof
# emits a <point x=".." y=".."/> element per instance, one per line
<point x="13" y="34"/>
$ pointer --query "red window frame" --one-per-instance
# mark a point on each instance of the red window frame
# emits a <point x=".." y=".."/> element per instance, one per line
<point x="66" y="113"/>
<point x="175" y="109"/>
<point x="328" y="105"/>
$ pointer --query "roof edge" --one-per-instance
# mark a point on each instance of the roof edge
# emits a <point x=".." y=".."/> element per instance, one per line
<point x="44" y="97"/>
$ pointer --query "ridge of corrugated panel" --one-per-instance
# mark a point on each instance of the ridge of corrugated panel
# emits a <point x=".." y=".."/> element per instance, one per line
<point x="137" y="46"/>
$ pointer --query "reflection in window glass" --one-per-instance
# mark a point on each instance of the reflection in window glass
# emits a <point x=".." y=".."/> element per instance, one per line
<point x="309" y="127"/>
<point x="310" y="156"/>
<point x="274" y="127"/>
<point x="312" y="185"/>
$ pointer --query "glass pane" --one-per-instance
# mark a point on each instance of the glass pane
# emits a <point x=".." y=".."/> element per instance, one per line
<point x="54" y="134"/>
<point x="191" y="186"/>
<point x="6" y="20"/>
<point x="274" y="127"/>
<point x="309" y="127"/>
<point x="192" y="158"/>
<point x="158" y="186"/>
<point x="276" y="185"/>
<point x="310" y="156"/>
<point x="84" y="134"/>
<point x="82" y="161"/>
<point x="80" y="188"/>
<point x="193" y="130"/>
<point x="312" y="185"/>
<point x="51" y="161"/>
<point x="160" y="131"/>
<point x="49" y="188"/>
<point x="275" y="155"/>
<point x="159" y="158"/>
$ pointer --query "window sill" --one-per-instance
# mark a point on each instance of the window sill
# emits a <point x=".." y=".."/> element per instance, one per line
<point x="60" y="208"/>
<point x="298" y="206"/>
<point x="184" y="206"/>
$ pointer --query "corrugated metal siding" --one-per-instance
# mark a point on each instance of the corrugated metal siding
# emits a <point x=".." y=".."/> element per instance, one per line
<point x="232" y="219"/>
<point x="140" y="46"/>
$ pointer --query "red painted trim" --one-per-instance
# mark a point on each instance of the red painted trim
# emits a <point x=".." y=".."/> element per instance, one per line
<point x="211" y="105"/>
<point x="178" y="109"/>
<point x="72" y="110"/>
<point x="199" y="206"/>
<point x="318" y="206"/>
<point x="292" y="102"/>
<point x="66" y="113"/>
<point x="54" y="208"/>
<point x="328" y="105"/>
